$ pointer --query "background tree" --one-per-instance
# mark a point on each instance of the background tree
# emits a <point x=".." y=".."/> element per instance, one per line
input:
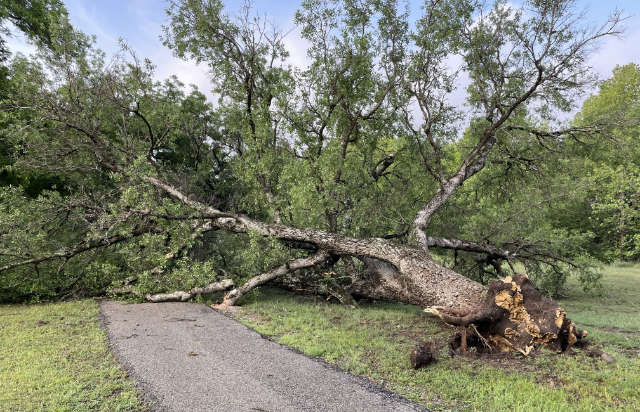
<point x="38" y="20"/>
<point x="44" y="23"/>
<point x="611" y="165"/>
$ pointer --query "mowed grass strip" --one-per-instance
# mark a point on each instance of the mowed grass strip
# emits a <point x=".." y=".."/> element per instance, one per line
<point x="375" y="340"/>
<point x="613" y="318"/>
<point x="54" y="357"/>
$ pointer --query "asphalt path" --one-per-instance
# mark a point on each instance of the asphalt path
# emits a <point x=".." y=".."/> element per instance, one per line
<point x="188" y="357"/>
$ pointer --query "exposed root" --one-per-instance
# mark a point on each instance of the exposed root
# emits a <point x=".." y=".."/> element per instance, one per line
<point x="484" y="342"/>
<point x="463" y="340"/>
<point x="467" y="340"/>
<point x="343" y="296"/>
<point x="514" y="316"/>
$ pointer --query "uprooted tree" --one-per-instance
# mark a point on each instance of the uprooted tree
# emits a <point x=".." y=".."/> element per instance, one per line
<point x="346" y="161"/>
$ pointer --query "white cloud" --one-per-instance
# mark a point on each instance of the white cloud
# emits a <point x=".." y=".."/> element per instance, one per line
<point x="87" y="21"/>
<point x="187" y="72"/>
<point x="143" y="40"/>
<point x="617" y="51"/>
<point x="297" y="48"/>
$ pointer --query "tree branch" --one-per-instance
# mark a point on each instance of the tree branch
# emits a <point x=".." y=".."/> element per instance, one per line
<point x="379" y="169"/>
<point x="292" y="265"/>
<point x="180" y="296"/>
<point x="468" y="246"/>
<point x="68" y="254"/>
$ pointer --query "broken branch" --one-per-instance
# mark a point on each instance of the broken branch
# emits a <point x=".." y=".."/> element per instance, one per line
<point x="180" y="296"/>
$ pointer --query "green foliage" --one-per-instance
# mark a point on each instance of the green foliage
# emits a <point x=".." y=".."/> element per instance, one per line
<point x="36" y="18"/>
<point x="39" y="20"/>
<point x="183" y="274"/>
<point x="95" y="206"/>
<point x="355" y="144"/>
<point x="552" y="279"/>
<point x="610" y="165"/>
<point x="258" y="255"/>
<point x="44" y="22"/>
<point x="575" y="199"/>
<point x="528" y="204"/>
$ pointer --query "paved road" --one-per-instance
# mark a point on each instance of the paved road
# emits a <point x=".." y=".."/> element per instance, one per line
<point x="187" y="357"/>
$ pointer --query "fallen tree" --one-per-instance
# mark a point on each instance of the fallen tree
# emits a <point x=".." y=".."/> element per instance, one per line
<point x="169" y="168"/>
<point x="510" y="314"/>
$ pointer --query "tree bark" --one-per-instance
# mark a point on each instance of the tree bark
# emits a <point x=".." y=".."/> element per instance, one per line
<point x="181" y="296"/>
<point x="232" y="297"/>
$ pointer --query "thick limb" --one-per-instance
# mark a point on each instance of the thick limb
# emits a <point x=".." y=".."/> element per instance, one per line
<point x="483" y="313"/>
<point x="181" y="296"/>
<point x="296" y="264"/>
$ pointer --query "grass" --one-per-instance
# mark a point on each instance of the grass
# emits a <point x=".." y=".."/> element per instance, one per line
<point x="375" y="340"/>
<point x="54" y="357"/>
<point x="614" y="318"/>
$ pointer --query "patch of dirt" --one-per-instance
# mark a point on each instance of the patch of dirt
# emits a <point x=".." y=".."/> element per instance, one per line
<point x="254" y="317"/>
<point x="550" y="381"/>
<point x="592" y="351"/>
<point x="413" y="335"/>
<point x="630" y="352"/>
<point x="509" y="361"/>
<point x="336" y="319"/>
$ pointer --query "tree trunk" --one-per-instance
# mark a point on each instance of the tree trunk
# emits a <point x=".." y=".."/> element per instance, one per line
<point x="417" y="280"/>
<point x="510" y="314"/>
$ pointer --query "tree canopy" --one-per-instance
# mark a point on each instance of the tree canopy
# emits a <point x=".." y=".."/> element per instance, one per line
<point x="149" y="179"/>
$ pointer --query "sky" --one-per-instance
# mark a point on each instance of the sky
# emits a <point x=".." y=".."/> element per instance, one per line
<point x="139" y="23"/>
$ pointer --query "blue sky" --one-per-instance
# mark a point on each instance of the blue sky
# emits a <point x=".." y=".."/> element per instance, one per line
<point x="139" y="22"/>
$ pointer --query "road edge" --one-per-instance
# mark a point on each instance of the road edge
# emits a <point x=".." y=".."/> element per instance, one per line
<point x="151" y="402"/>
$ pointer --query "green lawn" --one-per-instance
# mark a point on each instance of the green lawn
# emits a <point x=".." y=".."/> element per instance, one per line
<point x="612" y="319"/>
<point x="54" y="357"/>
<point x="375" y="340"/>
